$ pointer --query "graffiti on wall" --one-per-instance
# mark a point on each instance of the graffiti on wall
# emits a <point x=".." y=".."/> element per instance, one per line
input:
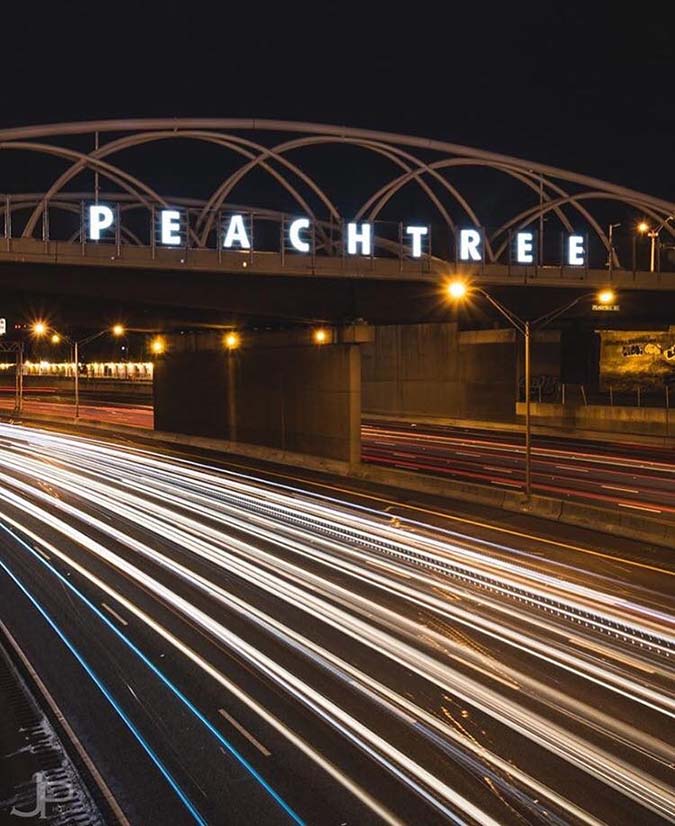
<point x="637" y="359"/>
<point x="648" y="348"/>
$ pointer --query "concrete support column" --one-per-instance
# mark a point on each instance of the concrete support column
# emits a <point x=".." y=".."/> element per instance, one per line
<point x="299" y="398"/>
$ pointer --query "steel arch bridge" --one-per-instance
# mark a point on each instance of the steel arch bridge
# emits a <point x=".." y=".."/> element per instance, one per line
<point x="332" y="175"/>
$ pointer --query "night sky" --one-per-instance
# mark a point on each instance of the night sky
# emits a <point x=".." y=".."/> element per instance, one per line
<point x="587" y="87"/>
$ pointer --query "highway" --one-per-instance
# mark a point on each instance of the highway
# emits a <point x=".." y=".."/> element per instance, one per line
<point x="632" y="477"/>
<point x="130" y="414"/>
<point x="235" y="646"/>
<point x="628" y="477"/>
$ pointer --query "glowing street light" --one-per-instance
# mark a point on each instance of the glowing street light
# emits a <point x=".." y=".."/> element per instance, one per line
<point x="158" y="345"/>
<point x="320" y="336"/>
<point x="457" y="289"/>
<point x="643" y="227"/>
<point x="231" y="340"/>
<point x="41" y="328"/>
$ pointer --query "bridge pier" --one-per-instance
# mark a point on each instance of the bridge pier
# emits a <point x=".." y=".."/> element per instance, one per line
<point x="277" y="391"/>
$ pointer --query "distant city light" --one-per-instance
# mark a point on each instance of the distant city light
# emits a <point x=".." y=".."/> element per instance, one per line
<point x="606" y="297"/>
<point x="56" y="339"/>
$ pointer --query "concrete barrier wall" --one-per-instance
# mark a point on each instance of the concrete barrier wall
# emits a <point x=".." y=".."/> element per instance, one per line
<point x="64" y="385"/>
<point x="603" y="418"/>
<point x="301" y="399"/>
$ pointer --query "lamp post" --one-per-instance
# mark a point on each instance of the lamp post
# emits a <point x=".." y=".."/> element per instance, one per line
<point x="40" y="329"/>
<point x="610" y="253"/>
<point x="458" y="289"/>
<point x="653" y="234"/>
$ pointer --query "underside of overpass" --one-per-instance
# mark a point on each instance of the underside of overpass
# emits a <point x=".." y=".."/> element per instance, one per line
<point x="88" y="296"/>
<point x="281" y="391"/>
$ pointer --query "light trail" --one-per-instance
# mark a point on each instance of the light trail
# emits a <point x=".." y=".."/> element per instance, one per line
<point x="365" y="579"/>
<point x="437" y="452"/>
<point x="185" y="800"/>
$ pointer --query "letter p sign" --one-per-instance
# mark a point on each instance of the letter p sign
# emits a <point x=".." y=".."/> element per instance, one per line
<point x="100" y="218"/>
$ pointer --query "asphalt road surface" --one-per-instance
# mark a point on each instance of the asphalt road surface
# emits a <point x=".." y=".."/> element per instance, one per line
<point x="622" y="476"/>
<point x="238" y="646"/>
<point x="631" y="478"/>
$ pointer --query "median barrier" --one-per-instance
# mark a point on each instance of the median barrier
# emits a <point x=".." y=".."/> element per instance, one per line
<point x="434" y="485"/>
<point x="617" y="523"/>
<point x="545" y="506"/>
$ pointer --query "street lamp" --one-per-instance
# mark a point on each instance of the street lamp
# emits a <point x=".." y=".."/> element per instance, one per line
<point x="320" y="336"/>
<point x="231" y="340"/>
<point x="158" y="345"/>
<point x="40" y="328"/>
<point x="652" y="233"/>
<point x="459" y="289"/>
<point x="610" y="251"/>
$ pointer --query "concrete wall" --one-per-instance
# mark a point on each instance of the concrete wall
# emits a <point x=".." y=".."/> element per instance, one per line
<point x="135" y="390"/>
<point x="436" y="370"/>
<point x="652" y="421"/>
<point x="631" y="359"/>
<point x="546" y="363"/>
<point x="296" y="398"/>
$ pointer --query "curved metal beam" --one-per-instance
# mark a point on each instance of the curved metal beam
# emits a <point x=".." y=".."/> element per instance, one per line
<point x="528" y="216"/>
<point x="252" y="125"/>
<point x="118" y="176"/>
<point x="137" y="140"/>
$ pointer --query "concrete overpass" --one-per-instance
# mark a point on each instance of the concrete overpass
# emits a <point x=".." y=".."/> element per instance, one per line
<point x="267" y="172"/>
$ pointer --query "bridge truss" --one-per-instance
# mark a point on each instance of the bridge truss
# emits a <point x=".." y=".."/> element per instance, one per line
<point x="330" y="174"/>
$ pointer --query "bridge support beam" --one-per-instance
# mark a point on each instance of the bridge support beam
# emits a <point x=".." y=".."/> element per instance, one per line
<point x="298" y="398"/>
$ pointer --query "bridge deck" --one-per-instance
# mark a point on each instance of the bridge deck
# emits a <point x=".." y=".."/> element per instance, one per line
<point x="30" y="250"/>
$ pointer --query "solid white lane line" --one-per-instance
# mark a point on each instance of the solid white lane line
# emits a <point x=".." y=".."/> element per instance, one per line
<point x="622" y="490"/>
<point x="114" y="613"/>
<point x="639" y="507"/>
<point x="247" y="734"/>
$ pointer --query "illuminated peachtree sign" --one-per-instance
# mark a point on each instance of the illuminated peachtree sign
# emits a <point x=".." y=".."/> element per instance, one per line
<point x="235" y="232"/>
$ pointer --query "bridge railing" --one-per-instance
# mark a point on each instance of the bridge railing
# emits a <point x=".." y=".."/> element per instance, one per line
<point x="135" y="225"/>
